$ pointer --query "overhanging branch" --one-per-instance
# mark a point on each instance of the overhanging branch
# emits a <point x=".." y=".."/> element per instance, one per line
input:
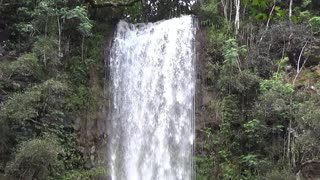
<point x="112" y="4"/>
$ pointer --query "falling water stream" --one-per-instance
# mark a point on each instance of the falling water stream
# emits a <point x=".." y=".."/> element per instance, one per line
<point x="153" y="87"/>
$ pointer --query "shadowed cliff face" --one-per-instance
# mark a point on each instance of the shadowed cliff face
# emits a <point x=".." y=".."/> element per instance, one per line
<point x="4" y="35"/>
<point x="92" y="123"/>
<point x="4" y="31"/>
<point x="205" y="117"/>
<point x="311" y="170"/>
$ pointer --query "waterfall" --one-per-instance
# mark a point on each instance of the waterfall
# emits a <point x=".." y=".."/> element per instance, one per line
<point x="153" y="86"/>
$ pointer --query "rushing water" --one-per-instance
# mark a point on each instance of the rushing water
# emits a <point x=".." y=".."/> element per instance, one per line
<point x="153" y="87"/>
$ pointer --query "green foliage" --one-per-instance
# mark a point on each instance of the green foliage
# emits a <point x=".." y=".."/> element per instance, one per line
<point x="243" y="83"/>
<point x="6" y="143"/>
<point x="315" y="24"/>
<point x="258" y="8"/>
<point x="307" y="114"/>
<point x="230" y="113"/>
<point x="230" y="170"/>
<point x="280" y="13"/>
<point x="46" y="49"/>
<point x="21" y="106"/>
<point x="81" y="14"/>
<point x="80" y="97"/>
<point x="72" y="158"/>
<point x="60" y="74"/>
<point x="36" y="159"/>
<point x="204" y="167"/>
<point x="250" y="160"/>
<point x="133" y="13"/>
<point x="95" y="52"/>
<point x="26" y="65"/>
<point x="232" y="51"/>
<point x="214" y="23"/>
<point x="232" y="75"/>
<point x="275" y="84"/>
<point x="25" y="28"/>
<point x="253" y="127"/>
<point x="209" y="7"/>
<point x="275" y="101"/>
<point x="306" y="3"/>
<point x="44" y="89"/>
<point x="229" y="133"/>
<point x="48" y="7"/>
<point x="85" y="174"/>
<point x="34" y="110"/>
<point x="305" y="15"/>
<point x="260" y="106"/>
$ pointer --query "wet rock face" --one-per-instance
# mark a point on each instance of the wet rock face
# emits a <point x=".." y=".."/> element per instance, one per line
<point x="92" y="123"/>
<point x="206" y="115"/>
<point x="93" y="137"/>
<point x="311" y="170"/>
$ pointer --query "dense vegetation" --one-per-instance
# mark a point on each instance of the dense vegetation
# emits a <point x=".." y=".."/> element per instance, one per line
<point x="261" y="90"/>
<point x="258" y="95"/>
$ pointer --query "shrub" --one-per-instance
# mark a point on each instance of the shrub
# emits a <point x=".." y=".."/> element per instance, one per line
<point x="36" y="159"/>
<point x="279" y="175"/>
<point x="98" y="173"/>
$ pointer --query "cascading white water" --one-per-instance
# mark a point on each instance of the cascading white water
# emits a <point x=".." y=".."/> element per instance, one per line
<point x="153" y="87"/>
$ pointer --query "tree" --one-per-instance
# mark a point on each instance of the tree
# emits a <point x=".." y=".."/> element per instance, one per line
<point x="36" y="159"/>
<point x="237" y="16"/>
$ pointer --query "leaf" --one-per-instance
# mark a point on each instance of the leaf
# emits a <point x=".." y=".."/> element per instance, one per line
<point x="245" y="1"/>
<point x="261" y="16"/>
<point x="255" y="3"/>
<point x="294" y="18"/>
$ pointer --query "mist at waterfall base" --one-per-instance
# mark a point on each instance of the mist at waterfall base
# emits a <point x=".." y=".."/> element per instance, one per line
<point x="153" y="87"/>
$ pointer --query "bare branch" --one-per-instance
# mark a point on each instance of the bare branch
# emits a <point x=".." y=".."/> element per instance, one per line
<point x="298" y="64"/>
<point x="270" y="14"/>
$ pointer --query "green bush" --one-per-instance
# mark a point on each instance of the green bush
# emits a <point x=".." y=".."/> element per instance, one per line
<point x="36" y="159"/>
<point x="46" y="97"/>
<point x="98" y="173"/>
<point x="315" y="24"/>
<point x="204" y="167"/>
<point x="26" y="65"/>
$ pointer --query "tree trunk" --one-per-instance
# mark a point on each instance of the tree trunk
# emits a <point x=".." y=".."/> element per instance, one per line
<point x="290" y="9"/>
<point x="45" y="35"/>
<point x="59" y="37"/>
<point x="82" y="49"/>
<point x="237" y="17"/>
<point x="289" y="134"/>
<point x="225" y="5"/>
<point x="230" y="12"/>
